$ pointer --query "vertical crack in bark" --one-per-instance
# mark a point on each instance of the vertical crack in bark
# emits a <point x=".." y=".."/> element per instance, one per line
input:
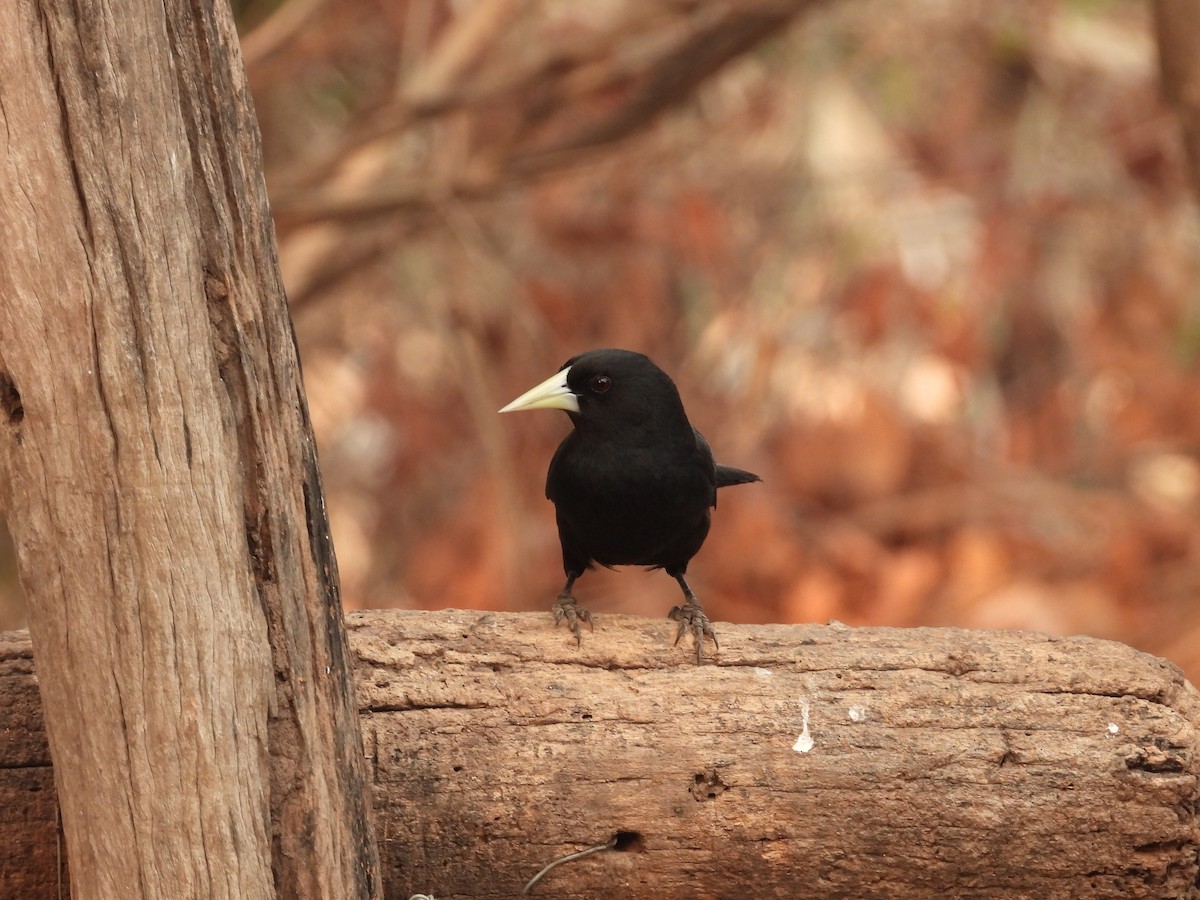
<point x="133" y="270"/>
<point x="100" y="389"/>
<point x="202" y="127"/>
<point x="204" y="106"/>
<point x="285" y="736"/>
<point x="231" y="370"/>
<point x="64" y="129"/>
<point x="320" y="544"/>
<point x="213" y="109"/>
<point x="131" y="726"/>
<point x="317" y="525"/>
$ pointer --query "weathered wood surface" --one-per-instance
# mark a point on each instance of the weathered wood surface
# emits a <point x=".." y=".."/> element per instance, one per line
<point x="942" y="762"/>
<point x="158" y="470"/>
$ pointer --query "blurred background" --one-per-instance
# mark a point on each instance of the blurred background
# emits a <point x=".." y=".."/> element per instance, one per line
<point x="930" y="268"/>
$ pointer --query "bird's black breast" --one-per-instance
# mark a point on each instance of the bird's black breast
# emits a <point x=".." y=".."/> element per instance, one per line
<point x="621" y="503"/>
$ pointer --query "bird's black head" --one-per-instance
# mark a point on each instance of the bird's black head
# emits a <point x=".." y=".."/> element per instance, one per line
<point x="609" y="390"/>
<point x="620" y="388"/>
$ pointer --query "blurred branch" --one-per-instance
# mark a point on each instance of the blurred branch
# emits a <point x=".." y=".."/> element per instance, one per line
<point x="277" y="30"/>
<point x="462" y="47"/>
<point x="1177" y="24"/>
<point x="528" y="108"/>
<point x="668" y="80"/>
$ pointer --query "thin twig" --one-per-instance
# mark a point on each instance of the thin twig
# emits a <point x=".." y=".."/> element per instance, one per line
<point x="570" y="857"/>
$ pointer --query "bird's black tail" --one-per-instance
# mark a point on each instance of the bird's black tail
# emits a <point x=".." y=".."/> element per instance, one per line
<point x="727" y="475"/>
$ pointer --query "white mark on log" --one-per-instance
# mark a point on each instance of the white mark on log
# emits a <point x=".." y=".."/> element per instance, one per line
<point x="762" y="673"/>
<point x="1114" y="728"/>
<point x="857" y="714"/>
<point x="804" y="743"/>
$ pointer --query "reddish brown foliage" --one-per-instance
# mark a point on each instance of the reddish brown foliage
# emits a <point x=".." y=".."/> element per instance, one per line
<point x="932" y="275"/>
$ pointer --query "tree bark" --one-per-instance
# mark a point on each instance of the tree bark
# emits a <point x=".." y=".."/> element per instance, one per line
<point x="809" y="761"/>
<point x="158" y="471"/>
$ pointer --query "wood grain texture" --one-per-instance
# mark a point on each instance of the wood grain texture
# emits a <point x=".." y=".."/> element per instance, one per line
<point x="158" y="470"/>
<point x="943" y="763"/>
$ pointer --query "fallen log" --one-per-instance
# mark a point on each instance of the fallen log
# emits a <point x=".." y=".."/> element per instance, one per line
<point x="809" y="760"/>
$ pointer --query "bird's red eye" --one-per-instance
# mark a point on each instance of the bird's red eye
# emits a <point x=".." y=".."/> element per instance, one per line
<point x="600" y="384"/>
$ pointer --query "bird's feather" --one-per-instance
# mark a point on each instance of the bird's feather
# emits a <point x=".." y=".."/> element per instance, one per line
<point x="633" y="483"/>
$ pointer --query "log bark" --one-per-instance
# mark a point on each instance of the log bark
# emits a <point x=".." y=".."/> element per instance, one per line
<point x="815" y="761"/>
<point x="158" y="470"/>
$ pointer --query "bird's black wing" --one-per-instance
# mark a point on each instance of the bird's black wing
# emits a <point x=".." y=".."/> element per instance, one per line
<point x="553" y="475"/>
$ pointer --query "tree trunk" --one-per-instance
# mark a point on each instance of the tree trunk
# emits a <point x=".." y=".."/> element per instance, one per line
<point x="158" y="470"/>
<point x="813" y="761"/>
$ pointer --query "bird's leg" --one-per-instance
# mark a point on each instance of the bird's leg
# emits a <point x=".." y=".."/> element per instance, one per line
<point x="565" y="607"/>
<point x="691" y="618"/>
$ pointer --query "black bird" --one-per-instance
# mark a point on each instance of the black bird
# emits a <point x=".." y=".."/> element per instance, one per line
<point x="634" y="483"/>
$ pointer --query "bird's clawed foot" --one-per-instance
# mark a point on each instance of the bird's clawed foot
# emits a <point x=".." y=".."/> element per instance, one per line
<point x="565" y="607"/>
<point x="691" y="618"/>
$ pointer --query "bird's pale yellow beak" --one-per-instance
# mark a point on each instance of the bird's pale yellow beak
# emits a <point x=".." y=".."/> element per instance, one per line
<point x="552" y="393"/>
